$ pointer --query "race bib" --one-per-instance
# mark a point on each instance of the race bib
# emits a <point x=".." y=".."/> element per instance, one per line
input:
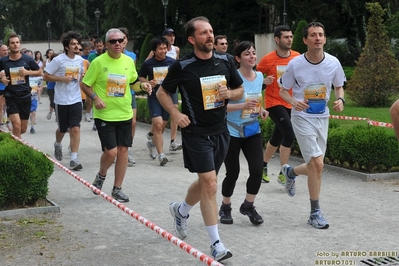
<point x="316" y="95"/>
<point x="160" y="74"/>
<point x="252" y="112"/>
<point x="280" y="72"/>
<point x="116" y="85"/>
<point x="15" y="77"/>
<point x="72" y="71"/>
<point x="210" y="91"/>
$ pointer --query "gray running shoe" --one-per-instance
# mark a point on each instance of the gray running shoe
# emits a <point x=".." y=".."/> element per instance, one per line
<point x="49" y="115"/>
<point x="180" y="223"/>
<point x="219" y="252"/>
<point x="317" y="220"/>
<point x="98" y="182"/>
<point x="58" y="151"/>
<point x="75" y="165"/>
<point x="153" y="149"/>
<point x="174" y="146"/>
<point x="289" y="182"/>
<point x="119" y="195"/>
<point x="32" y="130"/>
<point x="130" y="161"/>
<point x="162" y="159"/>
<point x="94" y="127"/>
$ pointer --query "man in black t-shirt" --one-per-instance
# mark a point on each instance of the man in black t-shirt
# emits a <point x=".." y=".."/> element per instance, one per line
<point x="15" y="71"/>
<point x="206" y="81"/>
<point x="154" y="70"/>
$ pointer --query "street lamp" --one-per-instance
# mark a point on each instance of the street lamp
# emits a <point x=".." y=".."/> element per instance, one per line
<point x="284" y="13"/>
<point x="97" y="13"/>
<point x="165" y="5"/>
<point x="48" y="24"/>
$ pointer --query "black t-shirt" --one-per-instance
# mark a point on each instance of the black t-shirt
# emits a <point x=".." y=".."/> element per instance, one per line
<point x="185" y="74"/>
<point x="18" y="86"/>
<point x="159" y="69"/>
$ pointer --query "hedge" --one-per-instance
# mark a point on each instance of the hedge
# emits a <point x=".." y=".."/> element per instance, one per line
<point x="27" y="171"/>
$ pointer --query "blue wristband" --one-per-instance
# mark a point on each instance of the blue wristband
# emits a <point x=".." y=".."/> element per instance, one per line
<point x="93" y="95"/>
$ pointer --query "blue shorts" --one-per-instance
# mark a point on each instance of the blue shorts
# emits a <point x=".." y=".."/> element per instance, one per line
<point x="156" y="108"/>
<point x="33" y="106"/>
<point x="203" y="154"/>
<point x="134" y="101"/>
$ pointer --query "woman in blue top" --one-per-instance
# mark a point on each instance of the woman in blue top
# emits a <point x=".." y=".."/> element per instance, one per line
<point x="246" y="138"/>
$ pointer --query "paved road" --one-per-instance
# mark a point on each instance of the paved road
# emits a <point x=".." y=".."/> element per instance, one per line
<point x="363" y="216"/>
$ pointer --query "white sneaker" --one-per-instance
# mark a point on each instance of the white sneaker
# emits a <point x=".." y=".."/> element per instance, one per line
<point x="87" y="118"/>
<point x="219" y="252"/>
<point x="174" y="146"/>
<point x="130" y="161"/>
<point x="153" y="149"/>
<point x="3" y="127"/>
<point x="162" y="159"/>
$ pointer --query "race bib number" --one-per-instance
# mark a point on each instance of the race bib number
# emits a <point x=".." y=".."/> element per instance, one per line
<point x="72" y="71"/>
<point x="160" y="74"/>
<point x="252" y="112"/>
<point x="210" y="91"/>
<point x="15" y="77"/>
<point x="116" y="85"/>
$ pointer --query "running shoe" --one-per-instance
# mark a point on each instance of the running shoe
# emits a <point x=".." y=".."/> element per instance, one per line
<point x="289" y="182"/>
<point x="118" y="194"/>
<point x="153" y="149"/>
<point x="58" y="151"/>
<point x="225" y="215"/>
<point x="219" y="252"/>
<point x="180" y="223"/>
<point x="317" y="220"/>
<point x="98" y="182"/>
<point x="253" y="215"/>
<point x="174" y="146"/>
<point x="265" y="177"/>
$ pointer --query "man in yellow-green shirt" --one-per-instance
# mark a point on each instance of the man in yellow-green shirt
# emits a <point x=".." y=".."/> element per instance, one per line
<point x="107" y="82"/>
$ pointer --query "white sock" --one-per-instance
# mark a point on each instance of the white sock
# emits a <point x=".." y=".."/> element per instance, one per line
<point x="184" y="209"/>
<point x="74" y="156"/>
<point x="213" y="233"/>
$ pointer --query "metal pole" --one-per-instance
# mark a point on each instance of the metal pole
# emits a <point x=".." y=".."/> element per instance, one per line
<point x="97" y="27"/>
<point x="284" y="14"/>
<point x="164" y="15"/>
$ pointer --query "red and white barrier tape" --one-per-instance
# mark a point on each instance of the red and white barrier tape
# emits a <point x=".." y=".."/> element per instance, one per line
<point x="369" y="121"/>
<point x="171" y="238"/>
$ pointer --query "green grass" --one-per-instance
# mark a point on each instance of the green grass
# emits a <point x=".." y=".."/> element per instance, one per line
<point x="353" y="110"/>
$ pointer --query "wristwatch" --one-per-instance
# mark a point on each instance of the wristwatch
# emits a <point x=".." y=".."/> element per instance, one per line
<point x="342" y="99"/>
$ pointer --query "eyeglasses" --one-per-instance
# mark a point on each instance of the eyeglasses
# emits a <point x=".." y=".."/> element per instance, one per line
<point x="223" y="43"/>
<point x="113" y="41"/>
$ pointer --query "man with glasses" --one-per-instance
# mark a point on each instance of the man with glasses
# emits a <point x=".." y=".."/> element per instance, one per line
<point x="108" y="82"/>
<point x="66" y="70"/>
<point x="221" y="44"/>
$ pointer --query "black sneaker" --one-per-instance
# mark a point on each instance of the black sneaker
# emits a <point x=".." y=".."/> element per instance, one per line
<point x="225" y="215"/>
<point x="254" y="217"/>
<point x="98" y="182"/>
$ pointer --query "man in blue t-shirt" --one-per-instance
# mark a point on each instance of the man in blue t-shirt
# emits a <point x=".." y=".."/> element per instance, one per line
<point x="15" y="71"/>
<point x="155" y="70"/>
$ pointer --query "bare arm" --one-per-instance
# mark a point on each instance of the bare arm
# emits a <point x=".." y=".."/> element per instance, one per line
<point x="48" y="77"/>
<point x="235" y="94"/>
<point x="166" y="101"/>
<point x="338" y="104"/>
<point x="299" y="106"/>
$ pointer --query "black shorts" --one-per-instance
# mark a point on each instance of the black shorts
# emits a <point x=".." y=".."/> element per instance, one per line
<point x="113" y="134"/>
<point x="2" y="92"/>
<point x="51" y="97"/>
<point x="19" y="106"/>
<point x="68" y="116"/>
<point x="203" y="154"/>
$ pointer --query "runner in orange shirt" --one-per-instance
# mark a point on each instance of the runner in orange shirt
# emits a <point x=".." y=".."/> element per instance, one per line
<point x="273" y="66"/>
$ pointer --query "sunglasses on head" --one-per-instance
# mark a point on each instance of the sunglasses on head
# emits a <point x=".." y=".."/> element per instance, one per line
<point x="113" y="41"/>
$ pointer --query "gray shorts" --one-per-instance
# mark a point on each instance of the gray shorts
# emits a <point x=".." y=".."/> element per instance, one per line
<point x="311" y="134"/>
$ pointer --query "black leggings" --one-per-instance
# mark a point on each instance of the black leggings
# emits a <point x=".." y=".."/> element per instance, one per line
<point x="282" y="133"/>
<point x="253" y="152"/>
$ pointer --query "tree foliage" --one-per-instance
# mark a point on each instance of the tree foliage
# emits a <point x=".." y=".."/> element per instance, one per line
<point x="297" y="42"/>
<point x="375" y="79"/>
